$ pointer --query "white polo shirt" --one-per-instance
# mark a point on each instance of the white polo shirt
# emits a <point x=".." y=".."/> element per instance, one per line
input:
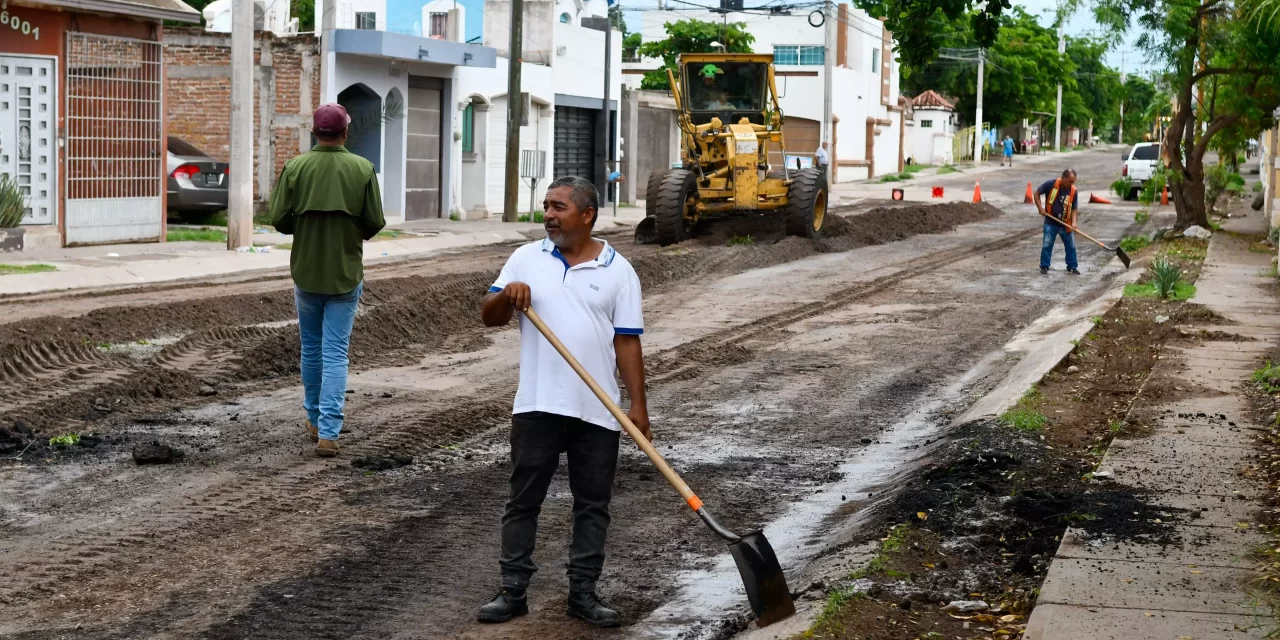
<point x="585" y="306"/>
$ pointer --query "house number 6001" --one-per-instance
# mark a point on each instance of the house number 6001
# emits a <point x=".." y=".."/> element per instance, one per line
<point x="16" y="23"/>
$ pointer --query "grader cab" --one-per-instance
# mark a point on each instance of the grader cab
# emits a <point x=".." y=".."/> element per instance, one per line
<point x="729" y="122"/>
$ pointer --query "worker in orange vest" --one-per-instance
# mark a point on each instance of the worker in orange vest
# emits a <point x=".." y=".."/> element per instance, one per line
<point x="1058" y="198"/>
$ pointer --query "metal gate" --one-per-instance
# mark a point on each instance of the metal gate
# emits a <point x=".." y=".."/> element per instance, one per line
<point x="115" y="152"/>
<point x="28" y="105"/>
<point x="422" y="156"/>
<point x="575" y="142"/>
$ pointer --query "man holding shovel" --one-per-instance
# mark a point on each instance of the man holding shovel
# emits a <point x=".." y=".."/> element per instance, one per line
<point x="589" y="295"/>
<point x="1058" y="198"/>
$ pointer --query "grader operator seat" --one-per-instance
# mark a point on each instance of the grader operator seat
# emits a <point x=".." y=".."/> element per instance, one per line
<point x="726" y="90"/>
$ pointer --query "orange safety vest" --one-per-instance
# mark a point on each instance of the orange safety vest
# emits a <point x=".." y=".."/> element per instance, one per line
<point x="1068" y="216"/>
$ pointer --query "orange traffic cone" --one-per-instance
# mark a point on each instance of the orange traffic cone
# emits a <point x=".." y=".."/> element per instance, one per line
<point x="1028" y="199"/>
<point x="1164" y="196"/>
<point x="1094" y="199"/>
<point x="977" y="192"/>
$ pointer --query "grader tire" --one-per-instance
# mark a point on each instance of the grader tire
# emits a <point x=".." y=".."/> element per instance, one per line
<point x="807" y="203"/>
<point x="651" y="192"/>
<point x="677" y="187"/>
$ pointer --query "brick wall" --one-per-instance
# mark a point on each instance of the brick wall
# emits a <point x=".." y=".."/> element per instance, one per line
<point x="286" y="90"/>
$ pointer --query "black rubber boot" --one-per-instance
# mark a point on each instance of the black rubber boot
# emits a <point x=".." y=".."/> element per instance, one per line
<point x="508" y="604"/>
<point x="584" y="605"/>
<point x="1044" y="271"/>
<point x="1074" y="272"/>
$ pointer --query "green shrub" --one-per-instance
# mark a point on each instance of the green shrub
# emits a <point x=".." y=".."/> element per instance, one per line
<point x="1265" y="376"/>
<point x="1154" y="187"/>
<point x="890" y="177"/>
<point x="945" y="169"/>
<point x="1122" y="186"/>
<point x="1134" y="244"/>
<point x="1025" y="415"/>
<point x="1165" y="275"/>
<point x="1257" y="187"/>
<point x="741" y="241"/>
<point x="13" y="203"/>
<point x="1141" y="216"/>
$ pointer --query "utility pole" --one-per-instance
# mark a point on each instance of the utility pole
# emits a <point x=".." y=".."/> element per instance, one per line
<point x="511" y="193"/>
<point x="829" y="19"/>
<point x="240" y="187"/>
<point x="977" y="117"/>
<point x="608" y="116"/>
<point x="1057" y="121"/>
<point x="1120" y="136"/>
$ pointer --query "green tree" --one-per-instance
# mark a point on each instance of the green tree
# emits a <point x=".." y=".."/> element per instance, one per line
<point x="1139" y="97"/>
<point x="918" y="25"/>
<point x="691" y="36"/>
<point x="1022" y="72"/>
<point x="1222" y="71"/>
<point x="616" y="18"/>
<point x="1097" y="92"/>
<point x="305" y="12"/>
<point x="631" y="45"/>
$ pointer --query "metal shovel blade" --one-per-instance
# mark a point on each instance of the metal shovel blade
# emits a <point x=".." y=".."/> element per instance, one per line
<point x="762" y="575"/>
<point x="647" y="231"/>
<point x="1124" y="257"/>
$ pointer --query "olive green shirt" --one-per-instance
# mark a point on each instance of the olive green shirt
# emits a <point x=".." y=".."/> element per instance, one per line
<point x="328" y="198"/>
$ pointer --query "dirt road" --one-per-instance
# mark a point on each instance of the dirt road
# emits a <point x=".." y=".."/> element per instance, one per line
<point x="770" y="365"/>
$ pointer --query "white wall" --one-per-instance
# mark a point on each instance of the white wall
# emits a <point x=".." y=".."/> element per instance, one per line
<point x="931" y="145"/>
<point x="346" y="10"/>
<point x="378" y="74"/>
<point x="855" y="87"/>
<point x="441" y="6"/>
<point x="580" y="70"/>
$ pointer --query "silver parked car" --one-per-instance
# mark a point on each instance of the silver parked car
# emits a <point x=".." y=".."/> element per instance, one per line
<point x="197" y="182"/>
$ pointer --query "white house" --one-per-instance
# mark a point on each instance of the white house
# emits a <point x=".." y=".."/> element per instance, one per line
<point x="932" y="129"/>
<point x="268" y="15"/>
<point x="869" y="128"/>
<point x="562" y="93"/>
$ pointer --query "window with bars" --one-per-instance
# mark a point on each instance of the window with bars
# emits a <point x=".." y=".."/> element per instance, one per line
<point x="803" y="55"/>
<point x="439" y="25"/>
<point x="367" y="20"/>
<point x="469" y="128"/>
<point x="926" y="124"/>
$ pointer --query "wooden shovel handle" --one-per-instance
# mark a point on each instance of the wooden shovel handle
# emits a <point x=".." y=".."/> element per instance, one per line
<point x="1076" y="230"/>
<point x="630" y="427"/>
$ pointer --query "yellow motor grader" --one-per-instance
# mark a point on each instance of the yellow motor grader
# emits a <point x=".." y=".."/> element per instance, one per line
<point x="729" y="121"/>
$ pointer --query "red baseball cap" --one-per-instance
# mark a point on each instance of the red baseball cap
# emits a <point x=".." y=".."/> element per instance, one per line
<point x="330" y="119"/>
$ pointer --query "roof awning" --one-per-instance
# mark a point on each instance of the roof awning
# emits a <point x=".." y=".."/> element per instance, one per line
<point x="384" y="44"/>
<point x="175" y="10"/>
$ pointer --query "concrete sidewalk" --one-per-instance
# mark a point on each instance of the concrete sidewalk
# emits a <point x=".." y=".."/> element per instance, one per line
<point x="1199" y="589"/>
<point x="138" y="264"/>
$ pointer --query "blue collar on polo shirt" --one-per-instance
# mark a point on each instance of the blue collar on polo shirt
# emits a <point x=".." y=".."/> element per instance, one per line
<point x="607" y="254"/>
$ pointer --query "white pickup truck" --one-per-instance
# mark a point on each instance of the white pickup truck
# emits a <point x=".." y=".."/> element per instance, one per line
<point x="1140" y="164"/>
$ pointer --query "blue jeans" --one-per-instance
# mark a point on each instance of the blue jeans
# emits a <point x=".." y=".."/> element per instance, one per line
<point x="1051" y="231"/>
<point x="324" y="322"/>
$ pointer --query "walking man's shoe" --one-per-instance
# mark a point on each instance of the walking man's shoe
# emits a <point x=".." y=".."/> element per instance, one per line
<point x="1074" y="272"/>
<point x="327" y="448"/>
<point x="312" y="430"/>
<point x="585" y="605"/>
<point x="1044" y="271"/>
<point x="508" y="604"/>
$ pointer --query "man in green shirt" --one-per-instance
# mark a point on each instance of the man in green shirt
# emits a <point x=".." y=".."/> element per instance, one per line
<point x="328" y="198"/>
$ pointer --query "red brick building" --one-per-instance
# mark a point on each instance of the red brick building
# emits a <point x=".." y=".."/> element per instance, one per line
<point x="82" y="116"/>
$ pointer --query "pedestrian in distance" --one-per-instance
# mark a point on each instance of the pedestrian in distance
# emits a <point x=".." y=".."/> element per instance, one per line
<point x="1008" y="151"/>
<point x="328" y="199"/>
<point x="589" y="295"/>
<point x="1059" y="199"/>
<point x="822" y="158"/>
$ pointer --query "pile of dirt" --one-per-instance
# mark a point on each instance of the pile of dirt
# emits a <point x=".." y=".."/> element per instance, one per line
<point x="16" y="439"/>
<point x="382" y="463"/>
<point x="156" y="452"/>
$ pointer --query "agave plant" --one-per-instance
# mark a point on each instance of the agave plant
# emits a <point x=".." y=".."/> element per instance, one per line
<point x="13" y="203"/>
<point x="1165" y="275"/>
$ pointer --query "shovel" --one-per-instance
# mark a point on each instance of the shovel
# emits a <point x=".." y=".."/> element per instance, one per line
<point x="1124" y="257"/>
<point x="761" y="574"/>
<point x="647" y="231"/>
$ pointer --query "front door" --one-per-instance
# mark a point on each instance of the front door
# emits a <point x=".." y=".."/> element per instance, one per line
<point x="27" y="143"/>
<point x="575" y="142"/>
<point x="422" y="156"/>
